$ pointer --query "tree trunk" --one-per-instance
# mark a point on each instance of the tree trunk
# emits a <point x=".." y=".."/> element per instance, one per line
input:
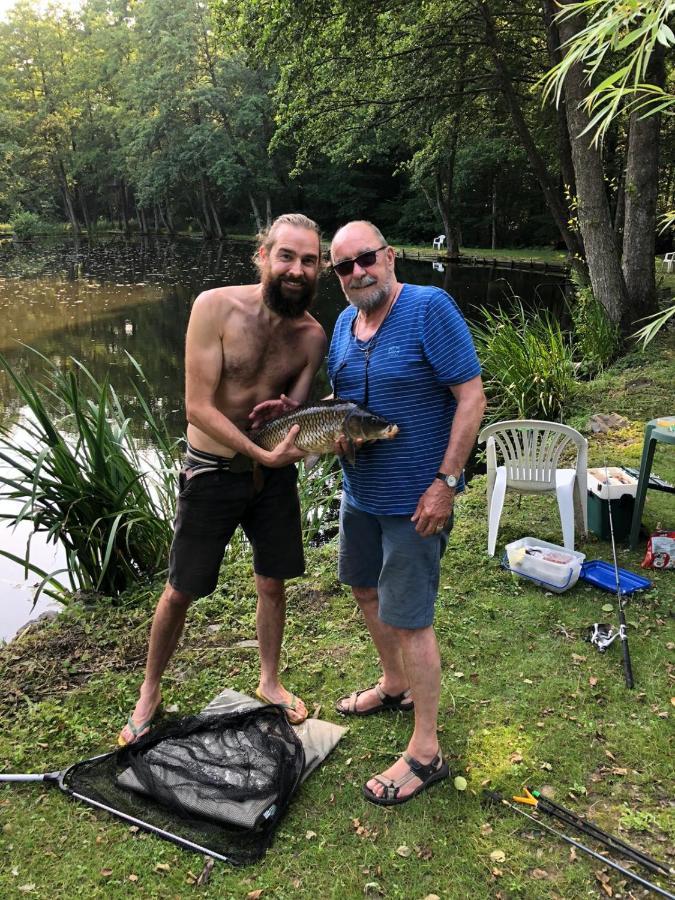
<point x="68" y="204"/>
<point x="642" y="181"/>
<point x="493" y="236"/>
<point x="595" y="221"/>
<point x="124" y="206"/>
<point x="256" y="212"/>
<point x="554" y="203"/>
<point x="206" y="218"/>
<point x="169" y="220"/>
<point x="550" y="8"/>
<point x="142" y="221"/>
<point x="215" y="218"/>
<point x="268" y="210"/>
<point x="84" y="209"/>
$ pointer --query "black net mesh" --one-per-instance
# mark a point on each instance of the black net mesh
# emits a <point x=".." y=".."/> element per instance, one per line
<point x="220" y="780"/>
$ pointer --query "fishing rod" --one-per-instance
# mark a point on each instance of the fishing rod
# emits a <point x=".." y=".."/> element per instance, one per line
<point x="623" y="634"/>
<point x="534" y="798"/>
<point x="495" y="797"/>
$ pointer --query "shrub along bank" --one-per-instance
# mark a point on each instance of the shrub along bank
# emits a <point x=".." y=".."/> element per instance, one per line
<point x="524" y="701"/>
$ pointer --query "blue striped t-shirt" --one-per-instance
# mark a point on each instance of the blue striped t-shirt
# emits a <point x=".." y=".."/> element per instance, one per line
<point x="421" y="348"/>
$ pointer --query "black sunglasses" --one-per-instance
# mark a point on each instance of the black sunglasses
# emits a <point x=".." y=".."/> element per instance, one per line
<point x="346" y="267"/>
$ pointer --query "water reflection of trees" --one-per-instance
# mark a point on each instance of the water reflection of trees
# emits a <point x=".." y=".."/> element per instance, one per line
<point x="99" y="300"/>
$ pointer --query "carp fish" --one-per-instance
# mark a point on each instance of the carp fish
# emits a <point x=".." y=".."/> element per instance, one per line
<point x="321" y="423"/>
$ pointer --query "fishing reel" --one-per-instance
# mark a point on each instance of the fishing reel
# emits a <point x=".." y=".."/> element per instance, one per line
<point x="601" y="636"/>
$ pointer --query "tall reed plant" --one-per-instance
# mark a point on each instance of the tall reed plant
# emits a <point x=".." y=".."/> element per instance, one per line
<point x="76" y="472"/>
<point x="597" y="339"/>
<point x="527" y="361"/>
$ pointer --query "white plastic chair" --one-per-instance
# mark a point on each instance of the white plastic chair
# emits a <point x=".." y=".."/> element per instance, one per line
<point x="669" y="262"/>
<point x="530" y="451"/>
<point x="438" y="242"/>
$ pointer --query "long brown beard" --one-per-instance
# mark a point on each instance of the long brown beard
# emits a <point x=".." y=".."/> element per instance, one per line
<point x="288" y="307"/>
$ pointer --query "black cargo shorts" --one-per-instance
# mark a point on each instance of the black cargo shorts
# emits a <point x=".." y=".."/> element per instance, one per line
<point x="210" y="507"/>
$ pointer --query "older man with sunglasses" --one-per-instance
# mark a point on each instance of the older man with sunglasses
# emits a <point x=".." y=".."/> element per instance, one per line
<point x="405" y="352"/>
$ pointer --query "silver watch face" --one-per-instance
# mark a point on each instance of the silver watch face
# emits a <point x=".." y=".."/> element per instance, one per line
<point x="450" y="480"/>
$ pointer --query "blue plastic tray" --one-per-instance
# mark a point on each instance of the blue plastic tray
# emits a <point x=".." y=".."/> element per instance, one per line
<point x="601" y="574"/>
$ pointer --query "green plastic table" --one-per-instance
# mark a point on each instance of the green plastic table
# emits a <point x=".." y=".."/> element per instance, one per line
<point x="653" y="434"/>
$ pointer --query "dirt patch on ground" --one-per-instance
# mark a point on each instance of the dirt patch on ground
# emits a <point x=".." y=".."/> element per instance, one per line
<point x="53" y="658"/>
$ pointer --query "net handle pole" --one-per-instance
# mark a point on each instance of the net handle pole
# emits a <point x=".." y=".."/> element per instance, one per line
<point x="146" y="826"/>
<point x="45" y="776"/>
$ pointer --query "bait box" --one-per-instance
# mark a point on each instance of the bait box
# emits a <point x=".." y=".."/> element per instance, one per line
<point x="601" y="574"/>
<point x="620" y="483"/>
<point x="554" y="576"/>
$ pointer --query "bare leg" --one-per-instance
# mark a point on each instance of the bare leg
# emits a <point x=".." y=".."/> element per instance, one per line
<point x="423" y="665"/>
<point x="388" y="644"/>
<point x="167" y="626"/>
<point x="270" y="620"/>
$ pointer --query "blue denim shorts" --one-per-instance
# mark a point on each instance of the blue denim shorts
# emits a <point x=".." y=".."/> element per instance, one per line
<point x="385" y="552"/>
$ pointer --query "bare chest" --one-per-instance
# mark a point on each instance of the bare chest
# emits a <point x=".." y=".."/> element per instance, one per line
<point x="252" y="355"/>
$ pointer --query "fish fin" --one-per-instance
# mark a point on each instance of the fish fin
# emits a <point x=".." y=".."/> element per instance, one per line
<point x="310" y="461"/>
<point x="350" y="453"/>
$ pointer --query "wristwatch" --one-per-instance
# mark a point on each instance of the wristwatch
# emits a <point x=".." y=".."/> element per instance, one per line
<point x="449" y="480"/>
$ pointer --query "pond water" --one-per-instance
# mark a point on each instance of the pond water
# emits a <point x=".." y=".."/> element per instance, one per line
<point x="96" y="300"/>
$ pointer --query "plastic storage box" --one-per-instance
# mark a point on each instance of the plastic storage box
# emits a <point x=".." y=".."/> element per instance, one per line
<point x="620" y="491"/>
<point x="548" y="565"/>
<point x="620" y="483"/>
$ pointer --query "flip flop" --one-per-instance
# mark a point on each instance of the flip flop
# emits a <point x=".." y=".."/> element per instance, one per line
<point x="138" y="731"/>
<point x="346" y="706"/>
<point x="428" y="774"/>
<point x="289" y="705"/>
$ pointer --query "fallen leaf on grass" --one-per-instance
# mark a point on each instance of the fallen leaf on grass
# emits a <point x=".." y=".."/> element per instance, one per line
<point x="372" y="887"/>
<point x="205" y="874"/>
<point x="460" y="783"/>
<point x="497" y="872"/>
<point x="592" y="681"/>
<point x="106" y="873"/>
<point x="133" y="877"/>
<point x="516" y="757"/>
<point x="486" y="828"/>
<point x="403" y="851"/>
<point x="539" y="874"/>
<point x="432" y="897"/>
<point x="255" y="895"/>
<point x="309" y="835"/>
<point x="162" y="867"/>
<point x="577" y="659"/>
<point x="26" y="888"/>
<point x="546" y="766"/>
<point x="424" y="852"/>
<point x="573" y="855"/>
<point x="498" y="856"/>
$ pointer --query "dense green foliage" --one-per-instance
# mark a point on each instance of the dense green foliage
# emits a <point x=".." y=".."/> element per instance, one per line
<point x="212" y="115"/>
<point x="527" y="361"/>
<point x="25" y="225"/>
<point x="596" y="339"/>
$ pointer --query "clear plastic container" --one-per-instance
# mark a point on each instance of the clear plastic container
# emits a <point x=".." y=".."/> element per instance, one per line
<point x="548" y="565"/>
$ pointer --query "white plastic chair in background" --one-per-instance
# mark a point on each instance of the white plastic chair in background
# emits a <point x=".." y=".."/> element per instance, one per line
<point x="530" y="451"/>
<point x="438" y="241"/>
<point x="669" y="262"/>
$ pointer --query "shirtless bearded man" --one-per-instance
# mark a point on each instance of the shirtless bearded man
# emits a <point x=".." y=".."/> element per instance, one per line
<point x="244" y="345"/>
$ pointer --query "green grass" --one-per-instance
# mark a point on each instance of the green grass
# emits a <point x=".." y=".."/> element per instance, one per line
<point x="524" y="701"/>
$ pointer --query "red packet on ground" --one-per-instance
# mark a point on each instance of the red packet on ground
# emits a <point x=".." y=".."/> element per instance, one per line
<point x="660" y="551"/>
